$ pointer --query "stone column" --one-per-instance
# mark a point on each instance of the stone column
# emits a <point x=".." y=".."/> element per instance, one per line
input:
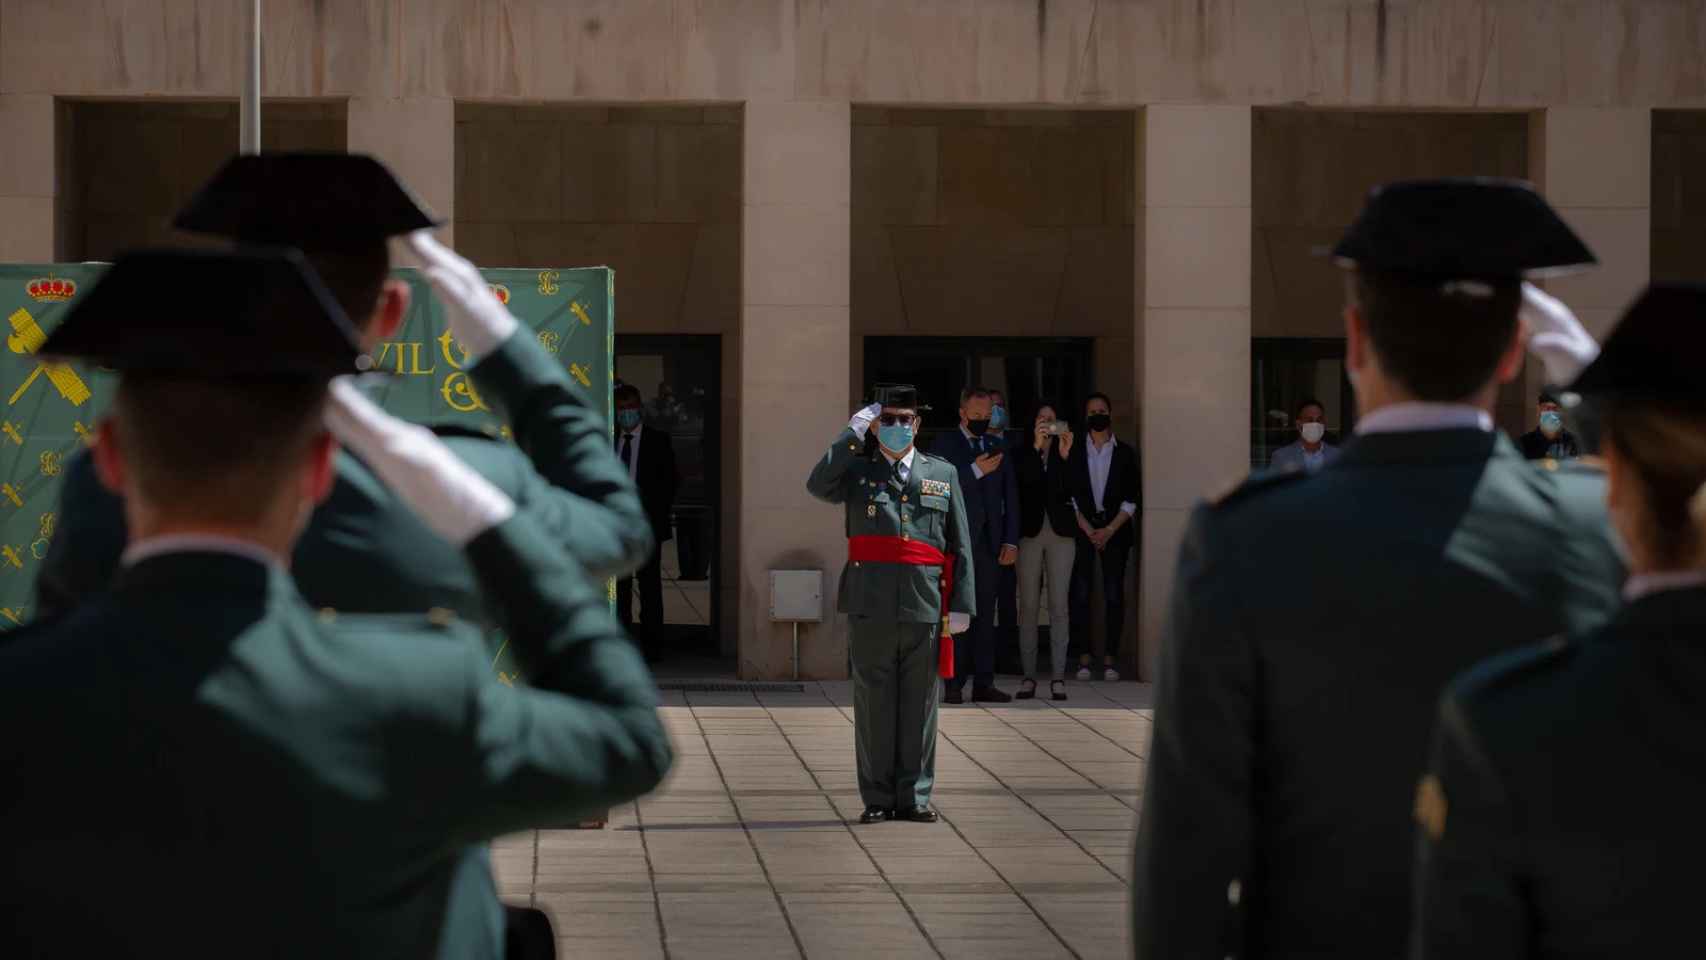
<point x="416" y="138"/>
<point x="795" y="251"/>
<point x="28" y="185"/>
<point x="1194" y="344"/>
<point x="1595" y="167"/>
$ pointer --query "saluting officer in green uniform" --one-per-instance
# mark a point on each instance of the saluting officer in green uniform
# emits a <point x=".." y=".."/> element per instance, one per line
<point x="906" y="589"/>
<point x="1561" y="814"/>
<point x="245" y="775"/>
<point x="1292" y="715"/>
<point x="363" y="551"/>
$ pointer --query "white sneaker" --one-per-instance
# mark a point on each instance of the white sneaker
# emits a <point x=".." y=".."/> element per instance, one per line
<point x="1084" y="674"/>
<point x="1110" y="674"/>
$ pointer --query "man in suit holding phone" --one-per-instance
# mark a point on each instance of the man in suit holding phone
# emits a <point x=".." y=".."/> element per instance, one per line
<point x="992" y="511"/>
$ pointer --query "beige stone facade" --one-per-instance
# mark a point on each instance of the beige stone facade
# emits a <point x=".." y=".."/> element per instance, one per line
<point x="794" y="176"/>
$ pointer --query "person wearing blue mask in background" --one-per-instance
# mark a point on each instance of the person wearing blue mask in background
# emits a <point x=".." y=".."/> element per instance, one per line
<point x="1550" y="441"/>
<point x="650" y="460"/>
<point x="1006" y="578"/>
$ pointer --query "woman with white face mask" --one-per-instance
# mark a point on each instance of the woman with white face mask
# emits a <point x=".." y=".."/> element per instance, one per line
<point x="1311" y="452"/>
<point x="1560" y="816"/>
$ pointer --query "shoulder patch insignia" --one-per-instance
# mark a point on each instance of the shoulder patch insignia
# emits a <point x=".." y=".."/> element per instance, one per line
<point x="1431" y="807"/>
<point x="935" y="488"/>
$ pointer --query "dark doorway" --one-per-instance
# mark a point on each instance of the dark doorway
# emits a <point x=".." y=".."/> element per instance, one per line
<point x="680" y="379"/>
<point x="1285" y="371"/>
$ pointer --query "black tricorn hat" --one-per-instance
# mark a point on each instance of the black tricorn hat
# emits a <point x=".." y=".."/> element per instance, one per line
<point x="317" y="201"/>
<point x="1654" y="351"/>
<point x="257" y="313"/>
<point x="1461" y="228"/>
<point x="899" y="395"/>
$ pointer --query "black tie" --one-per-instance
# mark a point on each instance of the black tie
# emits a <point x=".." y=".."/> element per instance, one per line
<point x="628" y="450"/>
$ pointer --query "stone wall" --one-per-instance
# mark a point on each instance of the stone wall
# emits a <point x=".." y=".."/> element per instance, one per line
<point x="1447" y="53"/>
<point x="1311" y="173"/>
<point x="653" y="192"/>
<point x="997" y="223"/>
<point x="126" y="168"/>
<point x="1679" y="195"/>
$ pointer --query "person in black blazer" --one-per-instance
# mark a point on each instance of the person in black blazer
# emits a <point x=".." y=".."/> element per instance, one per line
<point x="992" y="513"/>
<point x="1106" y="492"/>
<point x="1047" y="524"/>
<point x="651" y="464"/>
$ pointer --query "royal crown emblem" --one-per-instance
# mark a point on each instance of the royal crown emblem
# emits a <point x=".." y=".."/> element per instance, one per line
<point x="51" y="289"/>
<point x="501" y="292"/>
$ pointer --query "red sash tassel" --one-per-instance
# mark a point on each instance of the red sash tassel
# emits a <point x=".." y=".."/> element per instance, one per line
<point x="874" y="549"/>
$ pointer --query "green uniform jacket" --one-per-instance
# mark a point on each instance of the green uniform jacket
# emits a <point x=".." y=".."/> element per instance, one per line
<point x="366" y="552"/>
<point x="200" y="764"/>
<point x="930" y="508"/>
<point x="1314" y="622"/>
<point x="1563" y="814"/>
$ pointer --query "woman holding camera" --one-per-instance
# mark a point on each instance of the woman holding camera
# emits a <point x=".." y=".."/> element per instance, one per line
<point x="1046" y="524"/>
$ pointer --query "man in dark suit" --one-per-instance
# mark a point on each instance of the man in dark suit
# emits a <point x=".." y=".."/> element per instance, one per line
<point x="1292" y="717"/>
<point x="992" y="511"/>
<point x="1106" y="491"/>
<point x="650" y="460"/>
<point x="200" y="717"/>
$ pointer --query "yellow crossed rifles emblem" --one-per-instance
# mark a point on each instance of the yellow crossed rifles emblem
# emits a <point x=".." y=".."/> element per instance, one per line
<point x="11" y="430"/>
<point x="27" y="339"/>
<point x="580" y="314"/>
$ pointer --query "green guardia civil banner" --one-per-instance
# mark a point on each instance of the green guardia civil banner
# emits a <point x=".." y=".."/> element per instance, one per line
<point x="50" y="410"/>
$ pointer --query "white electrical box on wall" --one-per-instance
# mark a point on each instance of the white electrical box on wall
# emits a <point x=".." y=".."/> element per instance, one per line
<point x="796" y="596"/>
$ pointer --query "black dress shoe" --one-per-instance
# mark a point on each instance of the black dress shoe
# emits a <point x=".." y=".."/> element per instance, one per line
<point x="1057" y="690"/>
<point x="917" y="815"/>
<point x="1027" y="690"/>
<point x="874" y="815"/>
<point x="989" y="695"/>
<point x="954" y="696"/>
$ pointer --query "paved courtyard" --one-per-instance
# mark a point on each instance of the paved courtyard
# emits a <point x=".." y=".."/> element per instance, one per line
<point x="748" y="849"/>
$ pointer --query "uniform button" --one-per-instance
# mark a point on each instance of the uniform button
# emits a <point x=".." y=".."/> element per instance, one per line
<point x="1234" y="892"/>
<point x="855" y="563"/>
<point x="852" y="446"/>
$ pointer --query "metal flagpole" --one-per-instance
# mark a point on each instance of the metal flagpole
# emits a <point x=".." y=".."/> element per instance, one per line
<point x="249" y="123"/>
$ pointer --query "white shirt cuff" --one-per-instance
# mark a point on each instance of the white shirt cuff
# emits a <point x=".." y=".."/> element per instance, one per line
<point x="1128" y="508"/>
<point x="976" y="472"/>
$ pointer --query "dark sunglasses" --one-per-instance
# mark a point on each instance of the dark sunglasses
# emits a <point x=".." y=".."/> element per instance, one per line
<point x="896" y="419"/>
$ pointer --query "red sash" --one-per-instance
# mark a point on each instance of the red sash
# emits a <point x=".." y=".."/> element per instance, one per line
<point x="873" y="549"/>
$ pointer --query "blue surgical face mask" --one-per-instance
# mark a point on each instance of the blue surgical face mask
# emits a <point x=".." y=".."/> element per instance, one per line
<point x="1551" y="422"/>
<point x="895" y="437"/>
<point x="627" y="419"/>
<point x="998" y="417"/>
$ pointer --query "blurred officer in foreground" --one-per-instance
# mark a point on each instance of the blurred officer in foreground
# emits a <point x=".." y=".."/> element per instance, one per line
<point x="907" y="588"/>
<point x="245" y="775"/>
<point x="1562" y="814"/>
<point x="363" y="551"/>
<point x="1291" y="724"/>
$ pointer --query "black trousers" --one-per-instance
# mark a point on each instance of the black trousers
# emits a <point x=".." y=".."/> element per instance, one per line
<point x="974" y="650"/>
<point x="1007" y="605"/>
<point x="650" y="576"/>
<point x="1113" y="561"/>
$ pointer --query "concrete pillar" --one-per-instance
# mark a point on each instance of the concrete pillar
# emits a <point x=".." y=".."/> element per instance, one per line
<point x="794" y="341"/>
<point x="28" y="185"/>
<point x="416" y="138"/>
<point x="1195" y="338"/>
<point x="1595" y="167"/>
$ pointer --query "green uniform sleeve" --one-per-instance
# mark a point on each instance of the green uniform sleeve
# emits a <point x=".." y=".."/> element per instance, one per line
<point x="963" y="598"/>
<point x="586" y="734"/>
<point x="83" y="555"/>
<point x="1468" y="899"/>
<point x="828" y="479"/>
<point x="581" y="493"/>
<point x="1191" y="876"/>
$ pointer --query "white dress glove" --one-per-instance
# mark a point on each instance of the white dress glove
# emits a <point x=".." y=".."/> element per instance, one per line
<point x="959" y="622"/>
<point x="450" y="497"/>
<point x="478" y="320"/>
<point x="1557" y="338"/>
<point x="862" y="420"/>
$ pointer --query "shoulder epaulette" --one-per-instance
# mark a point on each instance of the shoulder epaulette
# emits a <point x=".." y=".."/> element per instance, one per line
<point x="461" y="430"/>
<point x="1501" y="672"/>
<point x="1243" y="487"/>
